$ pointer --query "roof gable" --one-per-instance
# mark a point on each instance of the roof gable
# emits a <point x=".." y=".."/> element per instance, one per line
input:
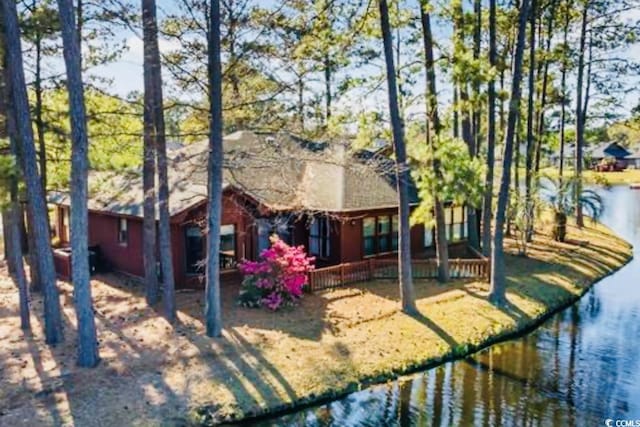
<point x="278" y="170"/>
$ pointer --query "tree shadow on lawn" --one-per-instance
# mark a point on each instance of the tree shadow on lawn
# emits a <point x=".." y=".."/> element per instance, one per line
<point x="232" y="361"/>
<point x="507" y="308"/>
<point x="53" y="387"/>
<point x="314" y="315"/>
<point x="240" y="366"/>
<point x="608" y="258"/>
<point x="227" y="364"/>
<point x="573" y="266"/>
<point x="423" y="288"/>
<point x="306" y="320"/>
<point x="435" y="328"/>
<point x="6" y="312"/>
<point x="239" y="355"/>
<point x="310" y="318"/>
<point x="609" y="252"/>
<point x="49" y="387"/>
<point x="51" y="390"/>
<point x="134" y="371"/>
<point x="254" y="382"/>
<point x="86" y="388"/>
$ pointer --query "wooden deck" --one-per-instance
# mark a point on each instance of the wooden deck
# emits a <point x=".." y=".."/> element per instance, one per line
<point x="387" y="268"/>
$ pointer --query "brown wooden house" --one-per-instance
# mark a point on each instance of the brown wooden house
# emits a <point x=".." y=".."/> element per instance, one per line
<point x="341" y="206"/>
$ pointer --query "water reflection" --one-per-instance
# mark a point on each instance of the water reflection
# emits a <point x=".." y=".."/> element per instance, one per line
<point x="579" y="368"/>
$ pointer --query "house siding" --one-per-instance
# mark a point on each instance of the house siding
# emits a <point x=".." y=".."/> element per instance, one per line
<point x="346" y="240"/>
<point x="351" y="243"/>
<point x="235" y="210"/>
<point x="103" y="231"/>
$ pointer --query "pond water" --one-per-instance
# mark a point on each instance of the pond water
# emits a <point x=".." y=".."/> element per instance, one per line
<point x="580" y="368"/>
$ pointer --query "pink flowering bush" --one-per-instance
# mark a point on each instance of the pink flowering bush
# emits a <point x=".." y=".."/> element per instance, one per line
<point x="278" y="278"/>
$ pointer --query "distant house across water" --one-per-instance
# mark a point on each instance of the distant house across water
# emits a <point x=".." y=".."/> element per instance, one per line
<point x="607" y="150"/>
<point x="595" y="154"/>
<point x="633" y="159"/>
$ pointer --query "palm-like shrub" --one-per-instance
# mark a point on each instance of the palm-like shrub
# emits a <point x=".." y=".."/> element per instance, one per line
<point x="560" y="195"/>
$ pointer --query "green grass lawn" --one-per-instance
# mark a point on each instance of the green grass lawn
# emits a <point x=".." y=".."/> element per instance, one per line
<point x="332" y="343"/>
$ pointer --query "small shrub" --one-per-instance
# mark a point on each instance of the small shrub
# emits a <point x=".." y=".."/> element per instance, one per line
<point x="277" y="279"/>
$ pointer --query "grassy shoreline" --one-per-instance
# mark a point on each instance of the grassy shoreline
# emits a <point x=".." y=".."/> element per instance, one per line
<point x="419" y="366"/>
<point x="460" y="351"/>
<point x="268" y="363"/>
<point x="625" y="177"/>
<point x="455" y="353"/>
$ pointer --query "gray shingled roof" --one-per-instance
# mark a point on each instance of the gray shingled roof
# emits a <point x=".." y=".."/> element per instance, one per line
<point x="279" y="171"/>
<point x="122" y="193"/>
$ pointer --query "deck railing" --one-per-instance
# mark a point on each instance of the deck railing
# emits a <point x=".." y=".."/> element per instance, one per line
<point x="387" y="268"/>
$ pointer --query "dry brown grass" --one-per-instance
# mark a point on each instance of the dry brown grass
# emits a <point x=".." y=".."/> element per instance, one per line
<point x="627" y="176"/>
<point x="152" y="373"/>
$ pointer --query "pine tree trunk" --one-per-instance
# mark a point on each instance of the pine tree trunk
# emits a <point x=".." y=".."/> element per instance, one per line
<point x="477" y="114"/>
<point x="545" y="81"/>
<point x="11" y="217"/>
<point x="150" y="233"/>
<point x="587" y="90"/>
<point x="87" y="340"/>
<point x="563" y="94"/>
<point x="563" y="120"/>
<point x="327" y="89"/>
<point x="300" y="105"/>
<point x="22" y="224"/>
<point x="7" y="245"/>
<point x="18" y="273"/>
<point x="491" y="137"/>
<point x="503" y="121"/>
<point x="12" y="239"/>
<point x="512" y="211"/>
<point x="442" y="248"/>
<point x="32" y="251"/>
<point x="42" y="155"/>
<point x="456" y="119"/>
<point x="529" y="162"/>
<point x="35" y="192"/>
<point x="79" y="24"/>
<point x="498" y="277"/>
<point x="477" y="108"/>
<point x="152" y="61"/>
<point x="213" y="310"/>
<point x="580" y="117"/>
<point x="407" y="295"/>
<point x="397" y="68"/>
<point x="232" y="24"/>
<point x="466" y="122"/>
